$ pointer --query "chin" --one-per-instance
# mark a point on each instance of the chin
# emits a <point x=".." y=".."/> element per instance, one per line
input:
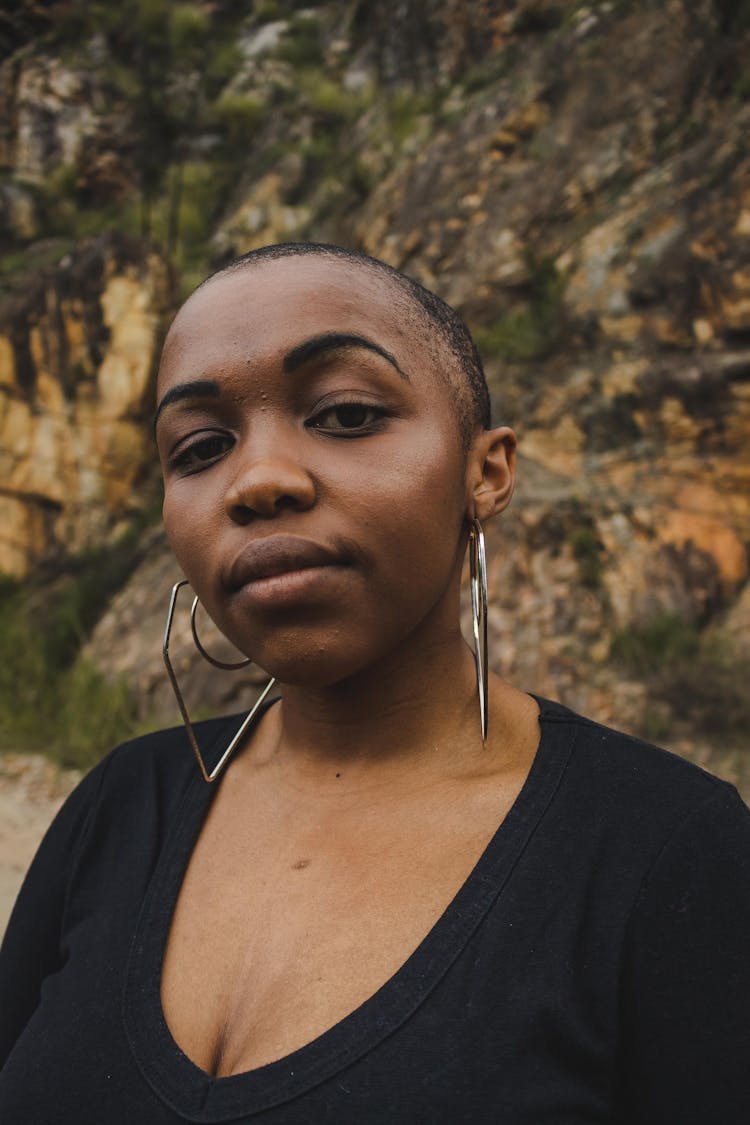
<point x="315" y="665"/>
<point x="313" y="653"/>
<point x="310" y="672"/>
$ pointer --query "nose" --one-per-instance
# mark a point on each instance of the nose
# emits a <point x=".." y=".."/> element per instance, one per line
<point x="264" y="486"/>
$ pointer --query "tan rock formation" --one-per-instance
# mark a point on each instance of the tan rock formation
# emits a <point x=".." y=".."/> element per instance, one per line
<point x="77" y="356"/>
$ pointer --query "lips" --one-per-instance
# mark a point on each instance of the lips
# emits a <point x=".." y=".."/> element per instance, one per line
<point x="276" y="555"/>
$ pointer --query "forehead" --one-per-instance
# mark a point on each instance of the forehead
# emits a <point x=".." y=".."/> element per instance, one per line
<point x="260" y="311"/>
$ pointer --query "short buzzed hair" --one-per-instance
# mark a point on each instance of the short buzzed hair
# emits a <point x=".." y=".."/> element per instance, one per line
<point x="466" y="380"/>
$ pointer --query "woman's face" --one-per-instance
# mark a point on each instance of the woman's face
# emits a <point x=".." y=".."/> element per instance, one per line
<point x="314" y="476"/>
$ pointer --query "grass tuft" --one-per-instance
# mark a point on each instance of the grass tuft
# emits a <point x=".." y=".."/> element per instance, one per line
<point x="50" y="699"/>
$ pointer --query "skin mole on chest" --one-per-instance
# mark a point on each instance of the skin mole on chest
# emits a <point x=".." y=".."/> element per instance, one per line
<point x="300" y="864"/>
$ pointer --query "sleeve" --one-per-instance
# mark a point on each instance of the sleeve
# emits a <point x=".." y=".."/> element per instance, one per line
<point x="685" y="1026"/>
<point x="31" y="948"/>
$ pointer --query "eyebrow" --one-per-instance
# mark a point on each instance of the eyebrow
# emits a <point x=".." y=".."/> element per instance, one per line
<point x="198" y="388"/>
<point x="300" y="355"/>
<point x="332" y="342"/>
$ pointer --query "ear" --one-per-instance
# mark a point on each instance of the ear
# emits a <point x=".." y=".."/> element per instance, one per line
<point x="490" y="472"/>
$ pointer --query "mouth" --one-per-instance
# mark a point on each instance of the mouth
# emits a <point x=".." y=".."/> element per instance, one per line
<point x="276" y="557"/>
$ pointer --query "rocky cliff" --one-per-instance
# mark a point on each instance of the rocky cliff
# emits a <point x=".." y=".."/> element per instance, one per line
<point x="573" y="177"/>
<point x="78" y="347"/>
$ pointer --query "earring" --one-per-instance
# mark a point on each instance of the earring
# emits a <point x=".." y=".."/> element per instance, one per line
<point x="231" y="667"/>
<point x="246" y="722"/>
<point x="478" y="581"/>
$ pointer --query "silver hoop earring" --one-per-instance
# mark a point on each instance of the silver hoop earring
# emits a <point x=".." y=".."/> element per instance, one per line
<point x="208" y="775"/>
<point x="225" y="667"/>
<point x="478" y="580"/>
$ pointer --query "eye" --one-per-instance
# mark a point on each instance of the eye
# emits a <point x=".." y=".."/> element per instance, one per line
<point x="202" y="451"/>
<point x="348" y="418"/>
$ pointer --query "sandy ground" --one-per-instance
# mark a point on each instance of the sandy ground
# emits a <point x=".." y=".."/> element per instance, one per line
<point x="31" y="792"/>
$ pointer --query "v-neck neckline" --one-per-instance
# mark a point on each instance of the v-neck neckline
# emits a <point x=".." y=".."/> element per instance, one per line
<point x="202" y="1098"/>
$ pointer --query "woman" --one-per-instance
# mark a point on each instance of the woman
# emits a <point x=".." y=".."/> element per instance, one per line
<point x="375" y="913"/>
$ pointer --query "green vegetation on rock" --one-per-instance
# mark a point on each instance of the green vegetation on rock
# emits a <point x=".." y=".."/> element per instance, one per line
<point x="693" y="676"/>
<point x="50" y="698"/>
<point x="589" y="555"/>
<point x="530" y="332"/>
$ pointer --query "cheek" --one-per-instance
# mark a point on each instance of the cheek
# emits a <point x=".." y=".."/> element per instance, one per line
<point x="416" y="516"/>
<point x="190" y="534"/>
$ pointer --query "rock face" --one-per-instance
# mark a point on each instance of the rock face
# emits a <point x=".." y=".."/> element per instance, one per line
<point x="580" y="236"/>
<point x="78" y="347"/>
<point x="574" y="178"/>
<point x="54" y="118"/>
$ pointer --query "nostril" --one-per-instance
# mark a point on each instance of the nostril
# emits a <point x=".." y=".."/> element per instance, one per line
<point x="263" y="507"/>
<point x="241" y="514"/>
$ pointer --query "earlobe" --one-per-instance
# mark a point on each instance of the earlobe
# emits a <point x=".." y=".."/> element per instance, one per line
<point x="491" y="472"/>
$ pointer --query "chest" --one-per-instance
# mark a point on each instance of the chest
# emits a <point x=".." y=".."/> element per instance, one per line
<point x="510" y="1000"/>
<point x="285" y="922"/>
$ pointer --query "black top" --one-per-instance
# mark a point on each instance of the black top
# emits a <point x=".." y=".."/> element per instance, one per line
<point x="594" y="967"/>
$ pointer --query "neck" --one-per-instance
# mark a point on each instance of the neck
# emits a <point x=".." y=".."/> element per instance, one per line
<point x="413" y="710"/>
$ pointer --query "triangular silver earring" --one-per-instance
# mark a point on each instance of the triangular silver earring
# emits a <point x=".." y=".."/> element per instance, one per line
<point x="208" y="775"/>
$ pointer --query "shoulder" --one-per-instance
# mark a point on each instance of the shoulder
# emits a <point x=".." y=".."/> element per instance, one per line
<point x="161" y="759"/>
<point x="615" y="759"/>
<point x="125" y="804"/>
<point x="165" y="752"/>
<point x="629" y="788"/>
<point x="145" y="778"/>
